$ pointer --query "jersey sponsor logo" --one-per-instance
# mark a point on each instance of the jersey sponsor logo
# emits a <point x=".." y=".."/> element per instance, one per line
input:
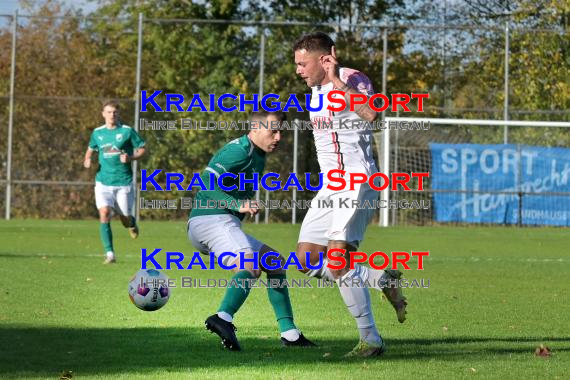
<point x="110" y="151"/>
<point x="322" y="122"/>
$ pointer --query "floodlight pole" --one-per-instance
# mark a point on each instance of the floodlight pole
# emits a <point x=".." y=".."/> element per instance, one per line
<point x="11" y="118"/>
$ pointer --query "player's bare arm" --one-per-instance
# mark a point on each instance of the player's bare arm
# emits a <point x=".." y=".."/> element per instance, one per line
<point x="138" y="154"/>
<point x="249" y="207"/>
<point x="87" y="158"/>
<point x="330" y="65"/>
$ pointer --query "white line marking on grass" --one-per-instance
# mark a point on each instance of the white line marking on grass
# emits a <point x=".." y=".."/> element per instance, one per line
<point x="510" y="259"/>
<point x="471" y="259"/>
<point x="69" y="255"/>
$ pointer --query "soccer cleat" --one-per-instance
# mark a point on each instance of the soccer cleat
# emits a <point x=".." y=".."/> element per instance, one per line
<point x="134" y="231"/>
<point x="395" y="296"/>
<point x="366" y="350"/>
<point x="225" y="330"/>
<point x="301" y="342"/>
<point x="110" y="260"/>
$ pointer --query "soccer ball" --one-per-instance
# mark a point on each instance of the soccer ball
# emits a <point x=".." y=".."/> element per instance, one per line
<point x="148" y="289"/>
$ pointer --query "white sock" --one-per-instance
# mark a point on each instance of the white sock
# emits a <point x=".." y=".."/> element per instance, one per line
<point x="375" y="277"/>
<point x="291" y="335"/>
<point x="322" y="272"/>
<point x="110" y="254"/>
<point x="357" y="300"/>
<point x="225" y="316"/>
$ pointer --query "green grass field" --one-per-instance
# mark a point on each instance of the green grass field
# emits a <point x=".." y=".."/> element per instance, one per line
<point x="495" y="295"/>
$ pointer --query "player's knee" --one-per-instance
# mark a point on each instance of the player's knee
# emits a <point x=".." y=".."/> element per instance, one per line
<point x="104" y="214"/>
<point x="308" y="254"/>
<point x="275" y="271"/>
<point x="273" y="263"/>
<point x="302" y="258"/>
<point x="256" y="273"/>
<point x="248" y="266"/>
<point x="304" y="269"/>
<point x="337" y="273"/>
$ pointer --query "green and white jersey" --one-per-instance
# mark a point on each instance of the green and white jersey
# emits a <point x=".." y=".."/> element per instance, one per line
<point x="237" y="156"/>
<point x="110" y="143"/>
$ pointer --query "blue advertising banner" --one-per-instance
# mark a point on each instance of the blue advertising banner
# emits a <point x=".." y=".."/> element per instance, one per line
<point x="466" y="171"/>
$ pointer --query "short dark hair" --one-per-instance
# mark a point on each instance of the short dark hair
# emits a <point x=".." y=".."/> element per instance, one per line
<point x="111" y="103"/>
<point x="316" y="41"/>
<point x="262" y="115"/>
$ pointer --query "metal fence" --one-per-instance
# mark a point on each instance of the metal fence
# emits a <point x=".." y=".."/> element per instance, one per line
<point x="410" y="152"/>
<point x="69" y="111"/>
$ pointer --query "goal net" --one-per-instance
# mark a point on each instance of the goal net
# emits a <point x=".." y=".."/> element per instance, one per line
<point x="481" y="171"/>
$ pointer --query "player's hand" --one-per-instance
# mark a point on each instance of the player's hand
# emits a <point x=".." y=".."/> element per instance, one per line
<point x="330" y="65"/>
<point x="249" y="207"/>
<point x="87" y="163"/>
<point x="125" y="158"/>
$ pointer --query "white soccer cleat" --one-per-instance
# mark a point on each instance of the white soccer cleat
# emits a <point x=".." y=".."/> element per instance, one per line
<point x="395" y="296"/>
<point x="110" y="259"/>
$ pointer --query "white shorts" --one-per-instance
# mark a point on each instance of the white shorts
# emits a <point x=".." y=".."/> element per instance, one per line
<point x="219" y="234"/>
<point x="120" y="198"/>
<point x="342" y="221"/>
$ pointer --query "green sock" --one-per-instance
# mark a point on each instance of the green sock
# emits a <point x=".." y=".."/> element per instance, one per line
<point x="133" y="222"/>
<point x="279" y="298"/>
<point x="106" y="236"/>
<point x="236" y="295"/>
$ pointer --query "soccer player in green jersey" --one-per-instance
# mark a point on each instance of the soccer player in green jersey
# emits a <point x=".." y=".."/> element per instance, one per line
<point x="218" y="230"/>
<point x="117" y="145"/>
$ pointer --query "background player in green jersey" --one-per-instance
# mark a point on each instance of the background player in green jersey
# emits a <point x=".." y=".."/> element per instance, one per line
<point x="219" y="230"/>
<point x="117" y="145"/>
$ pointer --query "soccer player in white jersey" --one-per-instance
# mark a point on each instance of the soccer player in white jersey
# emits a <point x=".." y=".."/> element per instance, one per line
<point x="348" y="149"/>
<point x="118" y="145"/>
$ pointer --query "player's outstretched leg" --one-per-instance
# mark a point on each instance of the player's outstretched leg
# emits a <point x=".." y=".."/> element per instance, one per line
<point x="357" y="299"/>
<point x="354" y="294"/>
<point x="378" y="279"/>
<point x="395" y="296"/>
<point x="106" y="234"/>
<point x="236" y="294"/>
<point x="107" y="239"/>
<point x="125" y="201"/>
<point x="278" y="294"/>
<point x="130" y="223"/>
<point x="387" y="281"/>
